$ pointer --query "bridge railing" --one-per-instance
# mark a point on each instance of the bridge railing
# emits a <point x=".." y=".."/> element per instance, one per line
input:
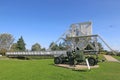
<point x="36" y="53"/>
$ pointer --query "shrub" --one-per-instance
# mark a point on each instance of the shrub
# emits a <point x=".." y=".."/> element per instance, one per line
<point x="109" y="53"/>
<point x="118" y="54"/>
<point x="3" y="51"/>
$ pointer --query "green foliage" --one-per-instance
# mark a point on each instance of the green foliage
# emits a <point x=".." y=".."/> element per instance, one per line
<point x="3" y="51"/>
<point x="54" y="46"/>
<point x="118" y="54"/>
<point x="62" y="46"/>
<point x="36" y="47"/>
<point x="5" y="41"/>
<point x="13" y="47"/>
<point x="88" y="47"/>
<point x="46" y="70"/>
<point x="99" y="45"/>
<point x="43" y="49"/>
<point x="109" y="53"/>
<point x="21" y="44"/>
<point x="117" y="57"/>
<point x="101" y="57"/>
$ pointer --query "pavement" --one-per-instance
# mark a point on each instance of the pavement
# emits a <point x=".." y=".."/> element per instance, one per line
<point x="110" y="58"/>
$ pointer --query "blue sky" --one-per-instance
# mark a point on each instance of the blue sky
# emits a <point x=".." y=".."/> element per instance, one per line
<point x="43" y="21"/>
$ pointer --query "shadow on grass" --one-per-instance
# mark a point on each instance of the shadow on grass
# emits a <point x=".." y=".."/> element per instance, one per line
<point x="52" y="64"/>
<point x="81" y="70"/>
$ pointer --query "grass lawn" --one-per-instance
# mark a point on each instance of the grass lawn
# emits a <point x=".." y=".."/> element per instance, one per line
<point x="117" y="57"/>
<point x="45" y="70"/>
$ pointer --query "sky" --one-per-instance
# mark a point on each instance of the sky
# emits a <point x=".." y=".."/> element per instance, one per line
<point x="44" y="21"/>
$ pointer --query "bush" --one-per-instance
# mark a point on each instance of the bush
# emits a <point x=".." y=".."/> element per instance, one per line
<point x="109" y="53"/>
<point x="103" y="52"/>
<point x="3" y="51"/>
<point x="118" y="54"/>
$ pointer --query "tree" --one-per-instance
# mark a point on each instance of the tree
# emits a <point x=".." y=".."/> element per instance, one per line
<point x="89" y="47"/>
<point x="36" y="47"/>
<point x="3" y="51"/>
<point x="100" y="46"/>
<point x="21" y="44"/>
<point x="14" y="47"/>
<point x="59" y="46"/>
<point x="43" y="49"/>
<point x="5" y="42"/>
<point x="62" y="46"/>
<point x="54" y="46"/>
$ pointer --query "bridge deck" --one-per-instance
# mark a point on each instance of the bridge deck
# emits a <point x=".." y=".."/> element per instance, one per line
<point x="34" y="53"/>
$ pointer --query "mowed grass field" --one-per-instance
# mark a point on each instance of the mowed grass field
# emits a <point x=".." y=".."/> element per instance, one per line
<point x="45" y="70"/>
<point x="117" y="57"/>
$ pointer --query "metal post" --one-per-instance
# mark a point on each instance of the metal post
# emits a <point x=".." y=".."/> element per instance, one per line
<point x="88" y="64"/>
<point x="107" y="45"/>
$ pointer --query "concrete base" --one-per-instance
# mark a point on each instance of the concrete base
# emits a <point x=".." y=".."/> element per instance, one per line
<point x="76" y="67"/>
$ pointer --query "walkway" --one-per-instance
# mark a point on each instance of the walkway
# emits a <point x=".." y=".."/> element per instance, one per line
<point x="110" y="58"/>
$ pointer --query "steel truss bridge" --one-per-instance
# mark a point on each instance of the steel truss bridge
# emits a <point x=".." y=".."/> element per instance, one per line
<point x="78" y="35"/>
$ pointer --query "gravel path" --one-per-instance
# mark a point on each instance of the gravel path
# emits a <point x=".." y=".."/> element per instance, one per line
<point x="110" y="58"/>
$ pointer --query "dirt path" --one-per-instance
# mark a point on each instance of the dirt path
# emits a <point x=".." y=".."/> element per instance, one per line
<point x="110" y="58"/>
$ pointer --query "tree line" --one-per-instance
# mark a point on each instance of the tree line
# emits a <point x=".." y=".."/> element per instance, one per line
<point x="7" y="44"/>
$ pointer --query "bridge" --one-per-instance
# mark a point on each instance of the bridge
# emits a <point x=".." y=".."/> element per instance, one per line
<point x="79" y="35"/>
<point x="36" y="53"/>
